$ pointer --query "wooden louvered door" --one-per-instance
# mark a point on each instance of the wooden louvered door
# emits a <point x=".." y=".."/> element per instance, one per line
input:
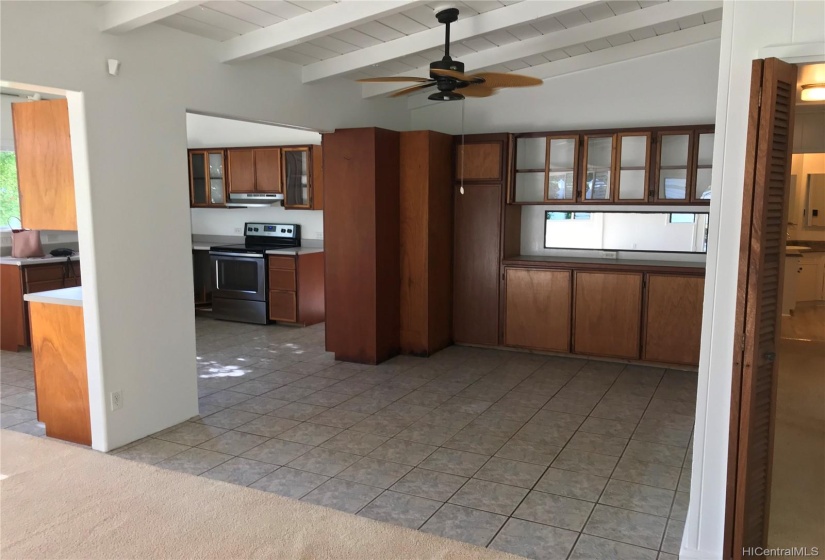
<point x="761" y="266"/>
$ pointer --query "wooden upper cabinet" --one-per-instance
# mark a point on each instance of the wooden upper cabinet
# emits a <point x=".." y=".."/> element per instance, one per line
<point x="537" y="309"/>
<point x="45" y="174"/>
<point x="673" y="318"/>
<point x="241" y="167"/>
<point x="607" y="314"/>
<point x="702" y="165"/>
<point x="480" y="161"/>
<point x="207" y="179"/>
<point x="254" y="170"/>
<point x="297" y="184"/>
<point x="546" y="169"/>
<point x="598" y="162"/>
<point x="632" y="173"/>
<point x="267" y="170"/>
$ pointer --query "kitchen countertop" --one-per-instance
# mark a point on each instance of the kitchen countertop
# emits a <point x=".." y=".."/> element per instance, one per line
<point x="66" y="296"/>
<point x="36" y="260"/>
<point x="633" y="263"/>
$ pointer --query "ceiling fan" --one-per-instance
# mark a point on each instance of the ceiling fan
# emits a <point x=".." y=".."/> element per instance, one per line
<point x="448" y="74"/>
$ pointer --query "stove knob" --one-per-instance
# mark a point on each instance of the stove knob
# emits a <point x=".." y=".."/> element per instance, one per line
<point x="283" y="230"/>
<point x="256" y="229"/>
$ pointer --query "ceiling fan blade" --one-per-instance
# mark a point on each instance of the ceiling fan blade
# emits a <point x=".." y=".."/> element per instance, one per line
<point x="411" y="89"/>
<point x="461" y="76"/>
<point x="394" y="79"/>
<point x="476" y="90"/>
<point x="499" y="80"/>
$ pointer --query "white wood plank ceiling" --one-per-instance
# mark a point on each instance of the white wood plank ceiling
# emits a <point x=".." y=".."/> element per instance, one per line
<point x="368" y="38"/>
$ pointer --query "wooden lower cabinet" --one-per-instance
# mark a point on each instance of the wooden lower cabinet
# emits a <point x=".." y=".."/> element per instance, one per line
<point x="15" y="282"/>
<point x="673" y="318"/>
<point x="296" y="288"/>
<point x="537" y="309"/>
<point x="608" y="314"/>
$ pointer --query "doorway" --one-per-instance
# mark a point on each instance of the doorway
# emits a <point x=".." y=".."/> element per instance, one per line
<point x="776" y="466"/>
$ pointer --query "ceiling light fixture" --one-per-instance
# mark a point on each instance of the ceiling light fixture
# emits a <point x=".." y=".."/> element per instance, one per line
<point x="813" y="92"/>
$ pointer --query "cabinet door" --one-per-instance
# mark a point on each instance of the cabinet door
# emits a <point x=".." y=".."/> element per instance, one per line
<point x="673" y="166"/>
<point x="562" y="175"/>
<point x="479" y="162"/>
<point x="537" y="309"/>
<point x="808" y="288"/>
<point x="283" y="306"/>
<point x="217" y="182"/>
<point x="703" y="166"/>
<point x="241" y="173"/>
<point x="673" y="318"/>
<point x="45" y="177"/>
<point x="268" y="170"/>
<point x="531" y="166"/>
<point x="632" y="167"/>
<point x="597" y="181"/>
<point x="607" y="314"/>
<point x="296" y="177"/>
<point x="197" y="178"/>
<point x="476" y="265"/>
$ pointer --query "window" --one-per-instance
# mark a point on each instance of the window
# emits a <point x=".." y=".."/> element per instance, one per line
<point x="682" y="218"/>
<point x="9" y="195"/>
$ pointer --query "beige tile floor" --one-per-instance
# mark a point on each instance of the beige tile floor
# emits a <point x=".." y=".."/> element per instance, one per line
<point x="545" y="457"/>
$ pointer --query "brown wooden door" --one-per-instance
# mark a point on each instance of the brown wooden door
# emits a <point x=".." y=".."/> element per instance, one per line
<point x="673" y="318"/>
<point x="758" y="305"/>
<point x="44" y="164"/>
<point x="268" y="170"/>
<point x="241" y="171"/>
<point x="607" y="314"/>
<point x="537" y="309"/>
<point x="479" y="161"/>
<point x="476" y="264"/>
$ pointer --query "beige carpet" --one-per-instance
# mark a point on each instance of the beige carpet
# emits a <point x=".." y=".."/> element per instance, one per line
<point x="62" y="501"/>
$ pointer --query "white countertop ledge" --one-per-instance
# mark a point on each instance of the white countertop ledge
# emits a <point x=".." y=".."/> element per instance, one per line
<point x="66" y="296"/>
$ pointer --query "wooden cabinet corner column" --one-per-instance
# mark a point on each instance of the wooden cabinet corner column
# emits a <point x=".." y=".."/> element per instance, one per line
<point x="361" y="216"/>
<point x="426" y="236"/>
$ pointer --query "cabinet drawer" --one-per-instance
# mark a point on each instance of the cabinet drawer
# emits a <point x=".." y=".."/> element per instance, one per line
<point x="287" y="263"/>
<point x="282" y="280"/>
<point x="283" y="306"/>
<point x="46" y="285"/>
<point x="42" y="273"/>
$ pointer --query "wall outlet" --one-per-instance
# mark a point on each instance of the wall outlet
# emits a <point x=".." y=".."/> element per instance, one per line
<point x="609" y="254"/>
<point x="238" y="231"/>
<point x="116" y="400"/>
<point x="319" y="235"/>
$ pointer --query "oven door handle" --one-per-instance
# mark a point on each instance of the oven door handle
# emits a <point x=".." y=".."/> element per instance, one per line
<point x="245" y="255"/>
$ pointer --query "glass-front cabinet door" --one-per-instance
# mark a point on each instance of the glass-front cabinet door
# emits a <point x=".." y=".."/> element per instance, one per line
<point x="207" y="180"/>
<point x="598" y="169"/>
<point x="673" y="181"/>
<point x="704" y="166"/>
<point x="633" y="166"/>
<point x="562" y="159"/>
<point x="297" y="188"/>
<point x="531" y="164"/>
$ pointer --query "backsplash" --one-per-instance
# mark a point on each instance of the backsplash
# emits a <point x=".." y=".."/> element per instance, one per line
<point x="230" y="221"/>
<point x="49" y="239"/>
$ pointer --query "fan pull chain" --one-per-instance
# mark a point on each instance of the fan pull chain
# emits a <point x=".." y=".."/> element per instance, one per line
<point x="463" y="151"/>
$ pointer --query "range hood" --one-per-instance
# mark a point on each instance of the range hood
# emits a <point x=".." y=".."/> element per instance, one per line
<point x="254" y="199"/>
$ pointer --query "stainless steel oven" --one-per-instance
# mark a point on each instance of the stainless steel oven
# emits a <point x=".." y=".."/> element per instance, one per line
<point x="239" y="272"/>
<point x="239" y="287"/>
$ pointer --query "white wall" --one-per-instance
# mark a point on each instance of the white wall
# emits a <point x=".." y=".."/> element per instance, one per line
<point x="671" y="88"/>
<point x="204" y="131"/>
<point x="133" y="214"/>
<point x="747" y="28"/>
